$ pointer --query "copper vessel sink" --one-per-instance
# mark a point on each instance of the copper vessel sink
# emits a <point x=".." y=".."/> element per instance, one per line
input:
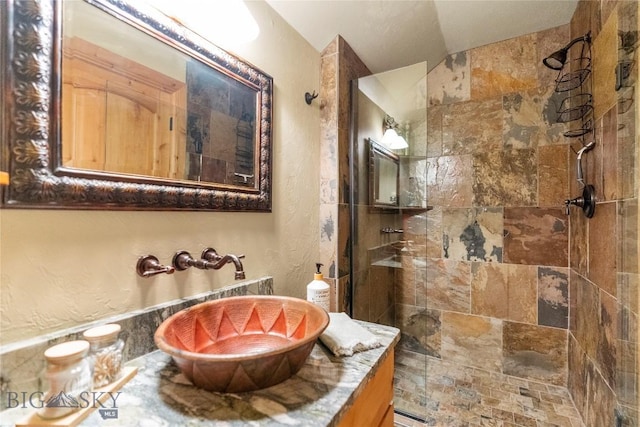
<point x="242" y="343"/>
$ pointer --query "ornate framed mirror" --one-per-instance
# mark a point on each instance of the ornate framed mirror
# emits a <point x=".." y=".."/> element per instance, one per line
<point x="110" y="104"/>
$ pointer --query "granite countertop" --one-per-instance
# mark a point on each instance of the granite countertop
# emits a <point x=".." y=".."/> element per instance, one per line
<point x="318" y="395"/>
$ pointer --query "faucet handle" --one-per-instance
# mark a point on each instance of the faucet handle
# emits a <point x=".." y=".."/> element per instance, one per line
<point x="149" y="265"/>
<point x="210" y="254"/>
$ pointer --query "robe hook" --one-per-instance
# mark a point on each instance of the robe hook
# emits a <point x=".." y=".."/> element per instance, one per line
<point x="310" y="97"/>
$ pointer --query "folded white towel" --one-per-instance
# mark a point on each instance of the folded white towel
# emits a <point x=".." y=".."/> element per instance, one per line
<point x="344" y="337"/>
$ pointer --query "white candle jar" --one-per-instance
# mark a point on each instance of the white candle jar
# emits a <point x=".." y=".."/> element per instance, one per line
<point x="69" y="376"/>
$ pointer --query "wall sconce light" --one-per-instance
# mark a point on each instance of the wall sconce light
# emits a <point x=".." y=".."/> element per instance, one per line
<point x="557" y="59"/>
<point x="391" y="138"/>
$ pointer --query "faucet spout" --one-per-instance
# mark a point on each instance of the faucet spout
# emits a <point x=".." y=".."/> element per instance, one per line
<point x="218" y="261"/>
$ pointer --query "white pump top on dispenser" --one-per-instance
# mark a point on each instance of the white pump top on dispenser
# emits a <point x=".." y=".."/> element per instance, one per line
<point x="318" y="290"/>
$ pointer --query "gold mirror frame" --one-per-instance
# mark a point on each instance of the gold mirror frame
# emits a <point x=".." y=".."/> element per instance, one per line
<point x="31" y="148"/>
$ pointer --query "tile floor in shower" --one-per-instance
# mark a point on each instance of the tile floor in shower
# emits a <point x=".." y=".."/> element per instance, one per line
<point x="454" y="395"/>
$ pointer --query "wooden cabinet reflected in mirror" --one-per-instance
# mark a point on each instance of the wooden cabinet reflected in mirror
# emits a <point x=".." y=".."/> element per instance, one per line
<point x="151" y="115"/>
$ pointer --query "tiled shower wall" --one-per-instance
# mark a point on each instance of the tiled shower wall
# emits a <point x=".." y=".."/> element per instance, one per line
<point x="603" y="339"/>
<point x="339" y="66"/>
<point x="513" y="284"/>
<point x="497" y="247"/>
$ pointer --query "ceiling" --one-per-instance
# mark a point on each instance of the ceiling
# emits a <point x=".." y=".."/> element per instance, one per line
<point x="389" y="34"/>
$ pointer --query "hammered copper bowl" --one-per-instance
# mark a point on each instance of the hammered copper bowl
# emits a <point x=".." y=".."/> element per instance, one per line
<point x="242" y="343"/>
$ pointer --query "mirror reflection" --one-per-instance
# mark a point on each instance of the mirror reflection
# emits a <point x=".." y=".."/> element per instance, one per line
<point x="132" y="104"/>
<point x="384" y="168"/>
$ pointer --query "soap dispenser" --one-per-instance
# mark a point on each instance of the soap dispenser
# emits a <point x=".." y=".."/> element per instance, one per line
<point x="318" y="290"/>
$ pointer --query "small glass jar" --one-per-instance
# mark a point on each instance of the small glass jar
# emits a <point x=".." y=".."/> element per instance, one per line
<point x="105" y="353"/>
<point x="68" y="374"/>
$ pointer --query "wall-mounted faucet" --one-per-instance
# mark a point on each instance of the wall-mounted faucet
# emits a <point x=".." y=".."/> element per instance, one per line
<point x="149" y="265"/>
<point x="210" y="261"/>
<point x="211" y="255"/>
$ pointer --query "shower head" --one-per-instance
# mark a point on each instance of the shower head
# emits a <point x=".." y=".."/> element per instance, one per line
<point x="557" y="59"/>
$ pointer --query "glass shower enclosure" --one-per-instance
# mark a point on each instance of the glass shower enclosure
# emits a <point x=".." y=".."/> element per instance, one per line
<point x="388" y="209"/>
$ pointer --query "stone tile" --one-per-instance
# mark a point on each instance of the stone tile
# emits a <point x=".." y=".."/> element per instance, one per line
<point x="601" y="400"/>
<point x="472" y="127"/>
<point x="449" y="181"/>
<point x="434" y="233"/>
<point x="585" y="312"/>
<point x="360" y="298"/>
<point x="604" y="59"/>
<point x="416" y="228"/>
<point x="530" y="118"/>
<point x="503" y="67"/>
<point x="381" y="297"/>
<point x="627" y="380"/>
<point x="607" y="353"/>
<point x="553" y="175"/>
<point x="602" y="247"/>
<point x="449" y="285"/>
<point x="458" y="395"/>
<point x="536" y="236"/>
<point x="535" y="352"/>
<point x="586" y="18"/>
<point x="421" y="284"/>
<point x="505" y="178"/>
<point x="504" y="291"/>
<point x="421" y="329"/>
<point x="450" y="80"/>
<point x="434" y="130"/>
<point x="549" y="41"/>
<point x="472" y="340"/>
<point x="626" y="133"/>
<point x="578" y="241"/>
<point x="405" y="283"/>
<point x="609" y="190"/>
<point x="553" y="297"/>
<point x="628" y="237"/>
<point x="472" y="234"/>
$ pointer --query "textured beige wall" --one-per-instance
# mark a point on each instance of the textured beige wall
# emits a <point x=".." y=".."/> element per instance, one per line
<point x="63" y="268"/>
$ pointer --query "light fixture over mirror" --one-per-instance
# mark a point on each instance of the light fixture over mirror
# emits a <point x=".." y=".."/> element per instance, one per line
<point x="391" y="139"/>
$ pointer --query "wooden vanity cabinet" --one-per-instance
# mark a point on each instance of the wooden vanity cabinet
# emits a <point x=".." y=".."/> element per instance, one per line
<point x="374" y="406"/>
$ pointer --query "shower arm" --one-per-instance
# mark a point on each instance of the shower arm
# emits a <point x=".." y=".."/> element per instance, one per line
<point x="583" y="150"/>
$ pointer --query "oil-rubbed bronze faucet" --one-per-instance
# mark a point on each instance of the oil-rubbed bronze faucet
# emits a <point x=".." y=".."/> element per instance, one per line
<point x="210" y="261"/>
<point x="211" y="255"/>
